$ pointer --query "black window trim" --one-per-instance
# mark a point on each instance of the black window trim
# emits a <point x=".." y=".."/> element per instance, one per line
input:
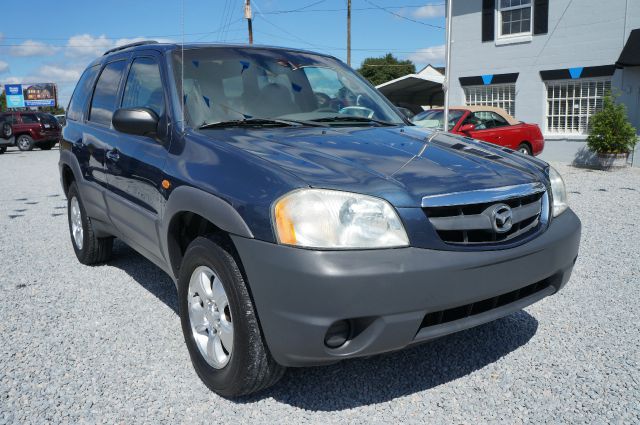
<point x="149" y="54"/>
<point x="126" y="58"/>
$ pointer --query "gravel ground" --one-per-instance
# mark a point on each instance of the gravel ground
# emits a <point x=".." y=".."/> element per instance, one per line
<point x="103" y="344"/>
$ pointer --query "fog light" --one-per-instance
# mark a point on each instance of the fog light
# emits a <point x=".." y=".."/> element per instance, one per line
<point x="337" y="334"/>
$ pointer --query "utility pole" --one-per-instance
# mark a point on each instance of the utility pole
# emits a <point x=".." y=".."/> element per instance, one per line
<point x="247" y="16"/>
<point x="447" y="70"/>
<point x="349" y="32"/>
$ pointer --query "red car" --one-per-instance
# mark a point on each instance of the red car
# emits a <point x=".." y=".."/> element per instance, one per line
<point x="31" y="129"/>
<point x="493" y="125"/>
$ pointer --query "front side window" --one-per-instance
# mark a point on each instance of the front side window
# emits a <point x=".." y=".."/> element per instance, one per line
<point x="434" y="119"/>
<point x="571" y="103"/>
<point x="105" y="94"/>
<point x="223" y="85"/>
<point x="497" y="95"/>
<point x="514" y="17"/>
<point x="484" y="120"/>
<point x="144" y="86"/>
<point x="81" y="93"/>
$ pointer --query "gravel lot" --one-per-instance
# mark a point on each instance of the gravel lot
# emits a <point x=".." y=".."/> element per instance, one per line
<point x="103" y="344"/>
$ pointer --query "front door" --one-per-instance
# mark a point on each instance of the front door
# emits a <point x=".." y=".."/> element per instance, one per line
<point x="134" y="164"/>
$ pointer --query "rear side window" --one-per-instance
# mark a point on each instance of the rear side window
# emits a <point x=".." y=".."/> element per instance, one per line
<point x="144" y="86"/>
<point x="106" y="92"/>
<point x="29" y="119"/>
<point x="82" y="93"/>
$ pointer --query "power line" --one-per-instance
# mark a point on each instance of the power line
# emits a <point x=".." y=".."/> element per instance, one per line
<point x="403" y="17"/>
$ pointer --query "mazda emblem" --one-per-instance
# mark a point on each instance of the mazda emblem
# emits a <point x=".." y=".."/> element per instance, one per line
<point x="502" y="218"/>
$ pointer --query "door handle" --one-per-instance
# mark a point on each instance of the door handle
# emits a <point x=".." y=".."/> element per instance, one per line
<point x="113" y="155"/>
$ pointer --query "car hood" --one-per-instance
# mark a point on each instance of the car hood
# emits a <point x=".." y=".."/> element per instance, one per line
<point x="400" y="164"/>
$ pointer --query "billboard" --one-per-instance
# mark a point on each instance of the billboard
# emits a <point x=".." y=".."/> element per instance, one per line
<point x="26" y="95"/>
<point x="15" y="99"/>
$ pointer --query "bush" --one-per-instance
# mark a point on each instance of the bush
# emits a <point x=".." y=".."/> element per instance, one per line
<point x="611" y="131"/>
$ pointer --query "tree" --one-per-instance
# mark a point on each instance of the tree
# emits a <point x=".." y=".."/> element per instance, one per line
<point x="611" y="131"/>
<point x="53" y="110"/>
<point x="386" y="68"/>
<point x="3" y="102"/>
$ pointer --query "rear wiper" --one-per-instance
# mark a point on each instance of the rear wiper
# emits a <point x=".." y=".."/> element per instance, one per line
<point x="257" y="122"/>
<point x="350" y="118"/>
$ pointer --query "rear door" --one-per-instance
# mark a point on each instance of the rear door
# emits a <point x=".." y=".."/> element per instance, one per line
<point x="134" y="165"/>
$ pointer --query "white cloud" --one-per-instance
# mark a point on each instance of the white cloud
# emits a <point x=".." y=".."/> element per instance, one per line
<point x="59" y="74"/>
<point x="33" y="48"/>
<point x="87" y="45"/>
<point x="13" y="80"/>
<point x="4" y="67"/>
<point x="433" y="55"/>
<point x="429" y="11"/>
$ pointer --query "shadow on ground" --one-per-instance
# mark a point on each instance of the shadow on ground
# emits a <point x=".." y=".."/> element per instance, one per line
<point x="378" y="379"/>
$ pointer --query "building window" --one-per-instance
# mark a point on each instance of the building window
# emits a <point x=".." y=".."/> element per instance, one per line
<point x="514" y="17"/>
<point x="498" y="95"/>
<point x="570" y="104"/>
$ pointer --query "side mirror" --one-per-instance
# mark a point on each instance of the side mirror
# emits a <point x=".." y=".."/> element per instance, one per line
<point x="467" y="128"/>
<point x="138" y="121"/>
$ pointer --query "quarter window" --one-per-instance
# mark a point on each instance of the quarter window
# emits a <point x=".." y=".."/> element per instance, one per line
<point x="498" y="95"/>
<point x="144" y="86"/>
<point x="570" y="104"/>
<point x="106" y="92"/>
<point x="514" y="17"/>
<point x="81" y="93"/>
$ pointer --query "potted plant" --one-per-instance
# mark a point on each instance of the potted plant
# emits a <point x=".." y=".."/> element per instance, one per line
<point x="612" y="137"/>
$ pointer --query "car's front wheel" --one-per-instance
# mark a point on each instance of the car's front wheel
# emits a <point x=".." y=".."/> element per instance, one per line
<point x="24" y="142"/>
<point x="219" y="322"/>
<point x="88" y="247"/>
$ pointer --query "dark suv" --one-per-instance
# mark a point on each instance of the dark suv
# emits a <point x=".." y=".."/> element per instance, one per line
<point x="302" y="218"/>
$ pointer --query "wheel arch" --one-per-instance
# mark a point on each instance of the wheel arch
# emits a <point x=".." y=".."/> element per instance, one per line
<point x="190" y="213"/>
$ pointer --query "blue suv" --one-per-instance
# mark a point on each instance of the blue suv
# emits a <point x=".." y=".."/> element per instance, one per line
<point x="301" y="217"/>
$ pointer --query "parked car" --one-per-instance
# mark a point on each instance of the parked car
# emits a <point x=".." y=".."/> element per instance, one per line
<point x="493" y="125"/>
<point x="61" y="118"/>
<point x="6" y="134"/>
<point x="33" y="129"/>
<point x="406" y="112"/>
<point x="297" y="232"/>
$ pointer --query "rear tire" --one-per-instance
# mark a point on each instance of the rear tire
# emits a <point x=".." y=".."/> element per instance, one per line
<point x="3" y="149"/>
<point x="24" y="142"/>
<point x="88" y="248"/>
<point x="233" y="369"/>
<point x="525" y="149"/>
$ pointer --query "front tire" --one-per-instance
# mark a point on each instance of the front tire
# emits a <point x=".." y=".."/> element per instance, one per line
<point x="88" y="247"/>
<point x="24" y="143"/>
<point x="219" y="323"/>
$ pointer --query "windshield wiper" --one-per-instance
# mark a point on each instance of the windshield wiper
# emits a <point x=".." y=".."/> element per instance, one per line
<point x="351" y="118"/>
<point x="257" y="122"/>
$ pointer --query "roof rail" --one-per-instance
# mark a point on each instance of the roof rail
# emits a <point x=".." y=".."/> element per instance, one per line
<point x="126" y="46"/>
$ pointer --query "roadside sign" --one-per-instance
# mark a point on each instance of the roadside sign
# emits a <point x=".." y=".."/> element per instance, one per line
<point x="15" y="97"/>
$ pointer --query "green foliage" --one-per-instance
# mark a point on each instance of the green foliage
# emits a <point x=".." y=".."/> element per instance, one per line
<point x="386" y="68"/>
<point x="3" y="102"/>
<point x="611" y="131"/>
<point x="57" y="110"/>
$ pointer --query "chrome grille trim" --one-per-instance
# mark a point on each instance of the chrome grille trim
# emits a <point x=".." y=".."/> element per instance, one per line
<point x="482" y="196"/>
<point x="469" y="218"/>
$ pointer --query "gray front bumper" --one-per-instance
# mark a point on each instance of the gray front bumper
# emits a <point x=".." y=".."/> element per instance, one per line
<point x="299" y="293"/>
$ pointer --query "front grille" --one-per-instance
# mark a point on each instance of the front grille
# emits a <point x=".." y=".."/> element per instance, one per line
<point x="474" y="222"/>
<point x="464" y="311"/>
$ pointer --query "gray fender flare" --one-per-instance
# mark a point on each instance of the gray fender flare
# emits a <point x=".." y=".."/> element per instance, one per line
<point x="206" y="205"/>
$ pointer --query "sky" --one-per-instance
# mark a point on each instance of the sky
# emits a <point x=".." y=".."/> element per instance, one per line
<point x="54" y="41"/>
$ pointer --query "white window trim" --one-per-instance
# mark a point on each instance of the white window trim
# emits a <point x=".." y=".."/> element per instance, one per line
<point x="522" y="37"/>
<point x="548" y="133"/>
<point x="507" y="102"/>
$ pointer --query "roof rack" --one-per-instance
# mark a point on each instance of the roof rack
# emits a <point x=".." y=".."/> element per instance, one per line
<point x="126" y="46"/>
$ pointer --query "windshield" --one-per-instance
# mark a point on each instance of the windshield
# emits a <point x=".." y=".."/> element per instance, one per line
<point x="234" y="84"/>
<point x="435" y="119"/>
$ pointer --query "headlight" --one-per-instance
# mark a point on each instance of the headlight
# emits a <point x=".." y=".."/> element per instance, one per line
<point x="559" y="192"/>
<point x="316" y="218"/>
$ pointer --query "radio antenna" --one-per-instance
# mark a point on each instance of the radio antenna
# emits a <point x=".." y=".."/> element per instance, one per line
<point x="182" y="102"/>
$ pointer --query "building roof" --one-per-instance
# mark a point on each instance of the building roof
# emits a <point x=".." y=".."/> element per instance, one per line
<point x="417" y="89"/>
